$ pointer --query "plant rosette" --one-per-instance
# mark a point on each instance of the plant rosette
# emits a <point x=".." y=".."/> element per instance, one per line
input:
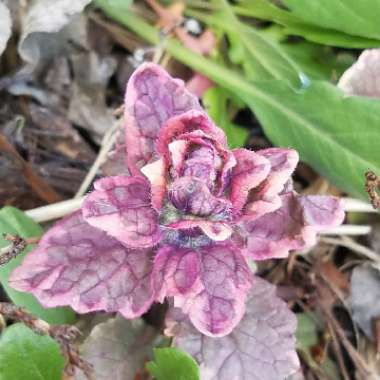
<point x="182" y="226"/>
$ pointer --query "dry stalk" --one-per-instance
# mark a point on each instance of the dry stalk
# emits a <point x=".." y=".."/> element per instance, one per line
<point x="338" y="352"/>
<point x="108" y="142"/>
<point x="18" y="244"/>
<point x="362" y="367"/>
<point x="345" y="241"/>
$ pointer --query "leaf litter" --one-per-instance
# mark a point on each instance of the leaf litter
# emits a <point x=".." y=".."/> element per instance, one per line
<point x="65" y="100"/>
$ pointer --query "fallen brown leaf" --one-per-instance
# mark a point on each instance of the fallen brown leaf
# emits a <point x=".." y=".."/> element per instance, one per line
<point x="39" y="186"/>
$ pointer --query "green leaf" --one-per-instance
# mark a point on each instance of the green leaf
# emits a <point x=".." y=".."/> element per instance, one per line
<point x="358" y="18"/>
<point x="25" y="355"/>
<point x="318" y="61"/>
<point x="217" y="101"/>
<point x="315" y="60"/>
<point x="307" y="338"/>
<point x="173" y="364"/>
<point x="295" y="25"/>
<point x="307" y="330"/>
<point x="14" y="221"/>
<point x="265" y="54"/>
<point x="259" y="55"/>
<point x="120" y="4"/>
<point x="337" y="135"/>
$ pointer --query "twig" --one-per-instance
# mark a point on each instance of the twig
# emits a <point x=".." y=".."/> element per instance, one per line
<point x="60" y="209"/>
<point x="108" y="142"/>
<point x="338" y="352"/>
<point x="64" y="335"/>
<point x="119" y="111"/>
<point x="359" y="362"/>
<point x="18" y="244"/>
<point x="54" y="211"/>
<point x="356" y="358"/>
<point x="347" y="242"/>
<point x="372" y="186"/>
<point x="355" y="205"/>
<point x="348" y="229"/>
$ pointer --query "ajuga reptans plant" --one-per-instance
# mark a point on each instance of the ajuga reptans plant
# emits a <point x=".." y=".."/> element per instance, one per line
<point x="183" y="225"/>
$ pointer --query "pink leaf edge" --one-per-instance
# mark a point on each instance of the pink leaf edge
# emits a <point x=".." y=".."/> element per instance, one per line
<point x="78" y="265"/>
<point x="261" y="347"/>
<point x="209" y="284"/>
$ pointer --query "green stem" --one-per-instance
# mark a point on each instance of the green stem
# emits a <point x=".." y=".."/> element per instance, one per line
<point x="219" y="74"/>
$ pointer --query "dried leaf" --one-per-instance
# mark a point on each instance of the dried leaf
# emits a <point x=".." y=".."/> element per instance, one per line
<point x="57" y="135"/>
<point x="88" y="101"/>
<point x="363" y="77"/>
<point x="43" y="20"/>
<point x="334" y="276"/>
<point x="118" y="349"/>
<point x="40" y="187"/>
<point x="365" y="293"/>
<point x="5" y="26"/>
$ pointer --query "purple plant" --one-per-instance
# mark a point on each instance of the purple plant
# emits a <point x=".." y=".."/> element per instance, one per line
<point x="182" y="225"/>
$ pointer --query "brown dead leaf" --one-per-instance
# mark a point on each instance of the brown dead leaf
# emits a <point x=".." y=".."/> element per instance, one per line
<point x="88" y="107"/>
<point x="170" y="19"/>
<point x="119" y="34"/>
<point x="365" y="295"/>
<point x="334" y="276"/>
<point x="47" y="28"/>
<point x="371" y="355"/>
<point x="5" y="26"/>
<point x="39" y="186"/>
<point x="56" y="134"/>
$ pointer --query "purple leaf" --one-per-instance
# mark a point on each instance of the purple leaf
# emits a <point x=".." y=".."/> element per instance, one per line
<point x="266" y="199"/>
<point x="215" y="230"/>
<point x="201" y="162"/>
<point x="261" y="347"/>
<point x="152" y="97"/>
<point x="209" y="283"/>
<point x="155" y="172"/>
<point x="176" y="272"/>
<point x="190" y="125"/>
<point x="121" y="206"/>
<point x="118" y="349"/>
<point x="78" y="265"/>
<point x="202" y="207"/>
<point x="293" y="226"/>
<point x="192" y="196"/>
<point x="250" y="170"/>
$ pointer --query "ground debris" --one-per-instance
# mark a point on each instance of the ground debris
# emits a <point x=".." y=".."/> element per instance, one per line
<point x="64" y="335"/>
<point x="372" y="186"/>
